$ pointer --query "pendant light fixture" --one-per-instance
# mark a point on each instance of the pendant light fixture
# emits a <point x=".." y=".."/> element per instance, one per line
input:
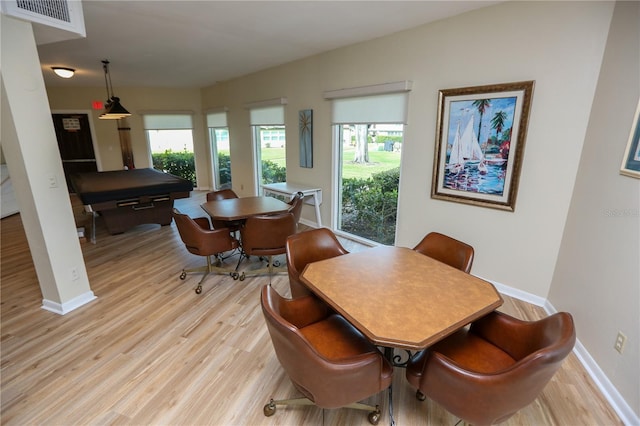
<point x="112" y="108"/>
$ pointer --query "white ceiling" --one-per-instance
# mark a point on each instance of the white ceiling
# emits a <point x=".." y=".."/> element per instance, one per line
<point x="197" y="43"/>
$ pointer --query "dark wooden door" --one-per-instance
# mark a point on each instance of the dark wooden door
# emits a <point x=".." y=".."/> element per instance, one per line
<point x="75" y="144"/>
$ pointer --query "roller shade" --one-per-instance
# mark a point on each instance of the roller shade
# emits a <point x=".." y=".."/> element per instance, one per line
<point x="167" y="121"/>
<point x="385" y="103"/>
<point x="387" y="108"/>
<point x="272" y="115"/>
<point x="217" y="119"/>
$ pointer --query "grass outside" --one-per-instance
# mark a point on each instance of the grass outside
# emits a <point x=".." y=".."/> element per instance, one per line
<point x="380" y="161"/>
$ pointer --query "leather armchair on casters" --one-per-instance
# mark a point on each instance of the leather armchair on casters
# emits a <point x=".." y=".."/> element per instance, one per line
<point x="328" y="360"/>
<point x="306" y="247"/>
<point x="201" y="240"/>
<point x="265" y="236"/>
<point x="224" y="194"/>
<point x="486" y="373"/>
<point x="447" y="250"/>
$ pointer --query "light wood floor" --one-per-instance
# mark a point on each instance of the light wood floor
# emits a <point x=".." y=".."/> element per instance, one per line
<point x="150" y="351"/>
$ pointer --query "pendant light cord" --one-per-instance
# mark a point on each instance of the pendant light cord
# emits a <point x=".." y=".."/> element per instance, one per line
<point x="107" y="79"/>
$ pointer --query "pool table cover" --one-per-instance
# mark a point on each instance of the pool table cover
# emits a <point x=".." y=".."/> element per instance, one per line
<point x="98" y="187"/>
<point x="126" y="198"/>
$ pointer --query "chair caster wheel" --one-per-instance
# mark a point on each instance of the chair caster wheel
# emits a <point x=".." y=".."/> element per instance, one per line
<point x="374" y="417"/>
<point x="183" y="275"/>
<point x="242" y="277"/>
<point x="420" y="396"/>
<point x="269" y="409"/>
<point x="234" y="275"/>
<point x="199" y="289"/>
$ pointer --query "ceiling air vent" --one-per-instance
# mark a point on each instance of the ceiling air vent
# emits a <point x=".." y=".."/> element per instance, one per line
<point x="54" y="9"/>
<point x="47" y="14"/>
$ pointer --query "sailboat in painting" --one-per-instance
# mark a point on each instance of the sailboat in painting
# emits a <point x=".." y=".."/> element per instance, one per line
<point x="465" y="149"/>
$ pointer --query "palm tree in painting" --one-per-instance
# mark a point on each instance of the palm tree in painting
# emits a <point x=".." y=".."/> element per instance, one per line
<point x="497" y="123"/>
<point x="481" y="105"/>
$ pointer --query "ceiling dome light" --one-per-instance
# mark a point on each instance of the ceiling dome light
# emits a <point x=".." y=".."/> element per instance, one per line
<point x="64" y="72"/>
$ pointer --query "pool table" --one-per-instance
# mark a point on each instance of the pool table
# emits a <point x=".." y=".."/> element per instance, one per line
<point x="126" y="198"/>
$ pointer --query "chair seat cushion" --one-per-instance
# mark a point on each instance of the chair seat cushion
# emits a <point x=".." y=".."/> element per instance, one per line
<point x="467" y="350"/>
<point x="336" y="339"/>
<point x="256" y="251"/>
<point x="473" y="353"/>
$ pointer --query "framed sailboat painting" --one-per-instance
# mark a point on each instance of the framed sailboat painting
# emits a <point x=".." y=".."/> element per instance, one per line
<point x="480" y="138"/>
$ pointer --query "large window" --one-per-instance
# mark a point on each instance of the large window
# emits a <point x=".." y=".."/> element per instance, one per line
<point x="269" y="138"/>
<point x="368" y="137"/>
<point x="170" y="139"/>
<point x="220" y="150"/>
<point x="368" y="175"/>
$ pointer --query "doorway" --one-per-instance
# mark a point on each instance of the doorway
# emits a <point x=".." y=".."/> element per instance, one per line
<point x="75" y="144"/>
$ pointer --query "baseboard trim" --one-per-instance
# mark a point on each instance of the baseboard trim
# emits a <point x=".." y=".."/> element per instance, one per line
<point x="608" y="390"/>
<point x="66" y="307"/>
<point x="309" y="223"/>
<point x="611" y="394"/>
<point x="518" y="294"/>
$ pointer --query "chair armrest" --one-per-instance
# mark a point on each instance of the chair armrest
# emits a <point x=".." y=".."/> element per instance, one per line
<point x="216" y="241"/>
<point x="338" y="354"/>
<point x="521" y="338"/>
<point x="203" y="222"/>
<point x="444" y="382"/>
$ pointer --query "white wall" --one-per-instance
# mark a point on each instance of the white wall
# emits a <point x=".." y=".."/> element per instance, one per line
<point x="31" y="152"/>
<point x="560" y="45"/>
<point x="557" y="44"/>
<point x="8" y="202"/>
<point x="137" y="101"/>
<point x="597" y="277"/>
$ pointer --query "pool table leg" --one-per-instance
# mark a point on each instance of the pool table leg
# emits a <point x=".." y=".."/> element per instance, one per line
<point x="93" y="227"/>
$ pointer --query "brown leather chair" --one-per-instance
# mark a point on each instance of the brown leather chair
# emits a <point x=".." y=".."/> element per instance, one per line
<point x="224" y="194"/>
<point x="306" y="247"/>
<point x="265" y="236"/>
<point x="201" y="240"/>
<point x="296" y="206"/>
<point x="486" y="373"/>
<point x="328" y="360"/>
<point x="447" y="250"/>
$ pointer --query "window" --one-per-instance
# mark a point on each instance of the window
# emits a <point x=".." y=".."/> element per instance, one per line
<point x="368" y="137"/>
<point x="269" y="138"/>
<point x="170" y="139"/>
<point x="220" y="150"/>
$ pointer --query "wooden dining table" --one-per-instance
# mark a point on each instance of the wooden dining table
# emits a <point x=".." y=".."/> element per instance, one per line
<point x="400" y="298"/>
<point x="233" y="209"/>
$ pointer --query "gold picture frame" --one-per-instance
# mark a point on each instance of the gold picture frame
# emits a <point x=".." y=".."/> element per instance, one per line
<point x="631" y="160"/>
<point x="480" y="139"/>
